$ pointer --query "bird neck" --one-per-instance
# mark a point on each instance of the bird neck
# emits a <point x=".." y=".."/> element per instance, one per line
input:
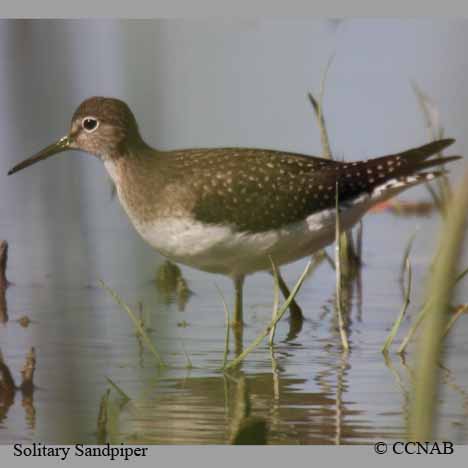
<point x="139" y="176"/>
<point x="128" y="160"/>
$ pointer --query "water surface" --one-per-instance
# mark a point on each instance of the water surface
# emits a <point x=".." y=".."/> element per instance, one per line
<point x="306" y="389"/>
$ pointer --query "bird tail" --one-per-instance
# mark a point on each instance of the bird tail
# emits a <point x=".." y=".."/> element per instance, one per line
<point x="413" y="160"/>
<point x="394" y="186"/>
<point x="390" y="175"/>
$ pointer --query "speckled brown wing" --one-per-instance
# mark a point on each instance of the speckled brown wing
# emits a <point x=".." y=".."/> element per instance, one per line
<point x="258" y="190"/>
<point x="253" y="190"/>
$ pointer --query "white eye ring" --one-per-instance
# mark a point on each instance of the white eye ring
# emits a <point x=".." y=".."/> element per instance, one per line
<point x="90" y="124"/>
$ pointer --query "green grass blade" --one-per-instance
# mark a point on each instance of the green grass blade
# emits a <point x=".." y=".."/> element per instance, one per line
<point x="274" y="312"/>
<point x="339" y="277"/>
<point x="401" y="315"/>
<point x="282" y="310"/>
<point x="423" y="408"/>
<point x="136" y="322"/>
<point x="122" y="394"/>
<point x="462" y="310"/>
<point x="421" y="316"/>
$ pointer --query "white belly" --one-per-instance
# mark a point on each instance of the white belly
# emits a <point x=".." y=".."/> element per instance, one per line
<point x="219" y="249"/>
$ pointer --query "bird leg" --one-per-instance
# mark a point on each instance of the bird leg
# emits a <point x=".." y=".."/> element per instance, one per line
<point x="294" y="309"/>
<point x="238" y="286"/>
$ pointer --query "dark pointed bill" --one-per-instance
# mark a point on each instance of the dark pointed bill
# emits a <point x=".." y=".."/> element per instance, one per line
<point x="61" y="145"/>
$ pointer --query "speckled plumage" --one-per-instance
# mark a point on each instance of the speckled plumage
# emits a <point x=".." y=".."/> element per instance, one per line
<point x="257" y="190"/>
<point x="226" y="210"/>
<point x="253" y="190"/>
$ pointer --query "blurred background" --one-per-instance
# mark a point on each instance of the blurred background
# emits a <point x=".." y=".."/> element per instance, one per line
<point x="205" y="84"/>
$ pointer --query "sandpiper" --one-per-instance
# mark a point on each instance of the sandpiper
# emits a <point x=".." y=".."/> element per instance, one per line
<point x="228" y="210"/>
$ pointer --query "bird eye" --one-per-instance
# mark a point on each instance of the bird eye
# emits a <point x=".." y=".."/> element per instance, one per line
<point x="89" y="124"/>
